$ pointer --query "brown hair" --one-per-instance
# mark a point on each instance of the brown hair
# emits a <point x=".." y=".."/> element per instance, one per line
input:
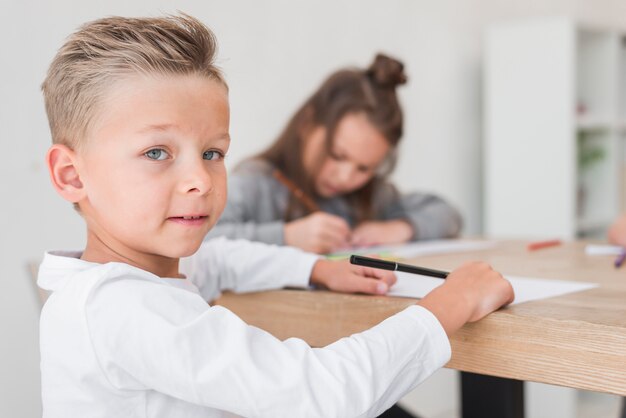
<point x="107" y="50"/>
<point x="372" y="92"/>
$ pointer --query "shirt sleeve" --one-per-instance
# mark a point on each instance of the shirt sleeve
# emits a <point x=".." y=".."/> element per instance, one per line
<point x="244" y="266"/>
<point x="151" y="336"/>
<point x="431" y="216"/>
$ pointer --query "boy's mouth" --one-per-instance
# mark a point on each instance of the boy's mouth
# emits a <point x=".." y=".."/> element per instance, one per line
<point x="188" y="220"/>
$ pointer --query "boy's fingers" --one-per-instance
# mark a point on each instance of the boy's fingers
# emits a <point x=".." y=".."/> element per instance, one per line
<point x="370" y="286"/>
<point x="386" y="276"/>
<point x="511" y="293"/>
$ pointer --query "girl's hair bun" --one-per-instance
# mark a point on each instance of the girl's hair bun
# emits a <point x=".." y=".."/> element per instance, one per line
<point x="386" y="71"/>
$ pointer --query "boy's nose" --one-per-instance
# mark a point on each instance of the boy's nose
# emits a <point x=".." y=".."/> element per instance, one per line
<point x="197" y="179"/>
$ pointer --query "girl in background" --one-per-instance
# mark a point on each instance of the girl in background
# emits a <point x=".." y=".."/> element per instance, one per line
<point x="322" y="185"/>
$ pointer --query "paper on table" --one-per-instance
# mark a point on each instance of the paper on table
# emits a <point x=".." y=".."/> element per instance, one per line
<point x="415" y="249"/>
<point x="526" y="289"/>
<point x="594" y="249"/>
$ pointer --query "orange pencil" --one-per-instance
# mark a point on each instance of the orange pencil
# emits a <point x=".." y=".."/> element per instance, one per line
<point x="538" y="245"/>
<point x="296" y="191"/>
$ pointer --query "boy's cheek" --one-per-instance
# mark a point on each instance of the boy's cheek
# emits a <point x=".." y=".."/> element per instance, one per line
<point x="220" y="192"/>
<point x="220" y="203"/>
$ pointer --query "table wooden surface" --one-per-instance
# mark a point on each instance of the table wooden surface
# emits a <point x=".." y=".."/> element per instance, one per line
<point x="576" y="340"/>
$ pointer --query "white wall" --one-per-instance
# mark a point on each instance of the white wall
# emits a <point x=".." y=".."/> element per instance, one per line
<point x="274" y="54"/>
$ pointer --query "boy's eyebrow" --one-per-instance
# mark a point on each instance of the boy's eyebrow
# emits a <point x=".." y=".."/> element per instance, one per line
<point x="159" y="127"/>
<point x="164" y="127"/>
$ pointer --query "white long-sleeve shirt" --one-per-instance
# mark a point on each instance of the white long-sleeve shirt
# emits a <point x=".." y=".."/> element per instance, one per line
<point x="117" y="341"/>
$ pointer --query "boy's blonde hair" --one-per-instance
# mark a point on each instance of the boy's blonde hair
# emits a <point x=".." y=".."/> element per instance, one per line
<point x="107" y="50"/>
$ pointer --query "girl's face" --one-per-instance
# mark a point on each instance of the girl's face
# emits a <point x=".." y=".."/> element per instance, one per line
<point x="358" y="149"/>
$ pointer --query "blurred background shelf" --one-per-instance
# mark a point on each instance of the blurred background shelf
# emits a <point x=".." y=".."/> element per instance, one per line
<point x="555" y="127"/>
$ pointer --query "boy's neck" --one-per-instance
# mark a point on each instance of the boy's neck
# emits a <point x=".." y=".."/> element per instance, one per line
<point x="98" y="251"/>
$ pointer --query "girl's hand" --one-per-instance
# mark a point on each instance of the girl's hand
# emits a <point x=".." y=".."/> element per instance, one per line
<point x="617" y="231"/>
<point x="341" y="276"/>
<point x="382" y="232"/>
<point x="319" y="233"/>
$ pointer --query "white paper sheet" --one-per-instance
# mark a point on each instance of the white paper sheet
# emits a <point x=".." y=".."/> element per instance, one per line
<point x="595" y="249"/>
<point x="526" y="289"/>
<point x="415" y="249"/>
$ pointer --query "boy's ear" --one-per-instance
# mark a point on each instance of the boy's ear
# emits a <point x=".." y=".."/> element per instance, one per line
<point x="61" y="161"/>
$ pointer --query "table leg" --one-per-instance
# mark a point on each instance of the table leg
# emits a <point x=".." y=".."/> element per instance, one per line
<point x="491" y="397"/>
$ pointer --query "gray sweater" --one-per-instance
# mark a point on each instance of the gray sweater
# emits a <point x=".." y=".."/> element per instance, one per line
<point x="257" y="203"/>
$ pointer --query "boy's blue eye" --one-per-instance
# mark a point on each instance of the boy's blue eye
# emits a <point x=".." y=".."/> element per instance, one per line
<point x="156" y="154"/>
<point x="211" y="155"/>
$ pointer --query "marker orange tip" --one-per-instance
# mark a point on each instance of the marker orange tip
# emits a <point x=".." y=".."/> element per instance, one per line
<point x="538" y="245"/>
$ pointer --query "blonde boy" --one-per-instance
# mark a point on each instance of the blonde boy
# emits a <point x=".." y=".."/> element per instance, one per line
<point x="140" y="123"/>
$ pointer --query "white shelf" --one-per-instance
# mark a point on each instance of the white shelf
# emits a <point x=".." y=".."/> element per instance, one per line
<point x="587" y="226"/>
<point x="594" y="123"/>
<point x="555" y="95"/>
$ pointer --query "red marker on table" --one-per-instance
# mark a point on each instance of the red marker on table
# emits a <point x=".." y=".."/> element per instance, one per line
<point x="538" y="245"/>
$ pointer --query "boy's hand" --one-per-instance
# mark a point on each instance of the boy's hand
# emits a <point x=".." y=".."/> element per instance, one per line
<point x="341" y="276"/>
<point x="381" y="232"/>
<point x="467" y="295"/>
<point x="318" y="232"/>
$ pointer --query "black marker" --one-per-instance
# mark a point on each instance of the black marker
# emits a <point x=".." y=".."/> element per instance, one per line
<point x="393" y="266"/>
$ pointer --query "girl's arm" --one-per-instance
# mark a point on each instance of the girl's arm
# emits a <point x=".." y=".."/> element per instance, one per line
<point x="431" y="216"/>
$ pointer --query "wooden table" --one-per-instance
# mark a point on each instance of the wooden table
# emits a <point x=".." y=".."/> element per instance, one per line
<point x="576" y="340"/>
